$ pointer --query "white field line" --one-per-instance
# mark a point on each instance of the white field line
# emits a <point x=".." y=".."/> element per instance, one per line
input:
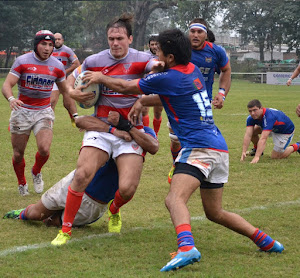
<point x="19" y="249"/>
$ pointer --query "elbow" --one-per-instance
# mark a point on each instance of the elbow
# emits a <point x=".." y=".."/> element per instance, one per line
<point x="154" y="149"/>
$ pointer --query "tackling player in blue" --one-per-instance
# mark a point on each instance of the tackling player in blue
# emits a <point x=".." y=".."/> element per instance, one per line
<point x="209" y="58"/>
<point x="100" y="190"/>
<point x="203" y="161"/>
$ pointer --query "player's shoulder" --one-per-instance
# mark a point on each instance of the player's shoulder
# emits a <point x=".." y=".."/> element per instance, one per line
<point x="25" y="57"/>
<point x="140" y="55"/>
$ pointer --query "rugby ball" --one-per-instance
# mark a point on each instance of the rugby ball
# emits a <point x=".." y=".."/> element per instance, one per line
<point x="94" y="88"/>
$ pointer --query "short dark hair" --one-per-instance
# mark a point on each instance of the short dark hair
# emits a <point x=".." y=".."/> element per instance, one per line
<point x="174" y="42"/>
<point x="153" y="38"/>
<point x="211" y="36"/>
<point x="199" y="20"/>
<point x="124" y="21"/>
<point x="254" y="102"/>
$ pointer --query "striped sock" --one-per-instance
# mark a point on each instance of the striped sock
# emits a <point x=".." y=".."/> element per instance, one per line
<point x="175" y="153"/>
<point x="262" y="240"/>
<point x="185" y="239"/>
<point x="23" y="214"/>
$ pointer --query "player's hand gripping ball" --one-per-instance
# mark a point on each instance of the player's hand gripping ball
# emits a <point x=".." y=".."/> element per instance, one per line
<point x="94" y="88"/>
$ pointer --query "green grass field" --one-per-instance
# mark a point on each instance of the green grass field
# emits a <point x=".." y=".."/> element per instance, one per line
<point x="266" y="194"/>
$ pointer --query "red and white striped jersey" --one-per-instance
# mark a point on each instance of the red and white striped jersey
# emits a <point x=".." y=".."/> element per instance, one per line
<point x="65" y="54"/>
<point x="36" y="79"/>
<point x="134" y="65"/>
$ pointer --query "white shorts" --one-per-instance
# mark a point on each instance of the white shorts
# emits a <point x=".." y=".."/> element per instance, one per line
<point x="213" y="164"/>
<point x="23" y="120"/>
<point x="55" y="88"/>
<point x="109" y="143"/>
<point x="55" y="199"/>
<point x="281" y="141"/>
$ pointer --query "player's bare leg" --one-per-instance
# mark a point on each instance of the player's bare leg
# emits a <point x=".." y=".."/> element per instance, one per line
<point x="129" y="170"/>
<point x="19" y="143"/>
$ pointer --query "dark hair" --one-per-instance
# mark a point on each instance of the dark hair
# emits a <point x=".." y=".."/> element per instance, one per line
<point x="211" y="36"/>
<point x="153" y="38"/>
<point x="254" y="102"/>
<point x="199" y="20"/>
<point x="124" y="21"/>
<point x="174" y="42"/>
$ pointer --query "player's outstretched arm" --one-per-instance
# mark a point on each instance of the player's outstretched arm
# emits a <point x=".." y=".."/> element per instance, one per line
<point x="117" y="84"/>
<point x="261" y="145"/>
<point x="68" y="102"/>
<point x="247" y="140"/>
<point x="294" y="75"/>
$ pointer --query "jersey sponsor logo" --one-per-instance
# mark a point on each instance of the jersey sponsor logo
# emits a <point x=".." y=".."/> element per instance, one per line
<point x="197" y="84"/>
<point x="92" y="138"/>
<point x="208" y="59"/>
<point x="200" y="162"/>
<point x="32" y="68"/>
<point x="38" y="82"/>
<point x="67" y="224"/>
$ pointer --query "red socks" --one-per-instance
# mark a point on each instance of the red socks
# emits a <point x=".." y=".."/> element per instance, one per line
<point x="73" y="203"/>
<point x="117" y="203"/>
<point x="156" y="124"/>
<point x="20" y="171"/>
<point x="146" y="120"/>
<point x="39" y="163"/>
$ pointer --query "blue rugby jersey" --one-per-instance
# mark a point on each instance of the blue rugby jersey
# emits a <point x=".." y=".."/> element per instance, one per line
<point x="210" y="58"/>
<point x="185" y="100"/>
<point x="274" y="120"/>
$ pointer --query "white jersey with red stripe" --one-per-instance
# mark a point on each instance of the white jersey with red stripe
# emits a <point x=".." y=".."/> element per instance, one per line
<point x="134" y="65"/>
<point x="65" y="54"/>
<point x="36" y="79"/>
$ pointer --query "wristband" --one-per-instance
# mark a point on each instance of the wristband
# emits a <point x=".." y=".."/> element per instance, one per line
<point x="291" y="78"/>
<point x="11" y="98"/>
<point x="111" y="129"/>
<point x="75" y="115"/>
<point x="222" y="93"/>
<point x="124" y="124"/>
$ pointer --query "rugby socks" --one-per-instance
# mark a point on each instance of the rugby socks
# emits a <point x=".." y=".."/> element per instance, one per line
<point x="73" y="203"/>
<point x="146" y="120"/>
<point x="262" y="240"/>
<point x="39" y="163"/>
<point x="118" y="202"/>
<point x="156" y="124"/>
<point x="22" y="215"/>
<point x="296" y="146"/>
<point x="185" y="239"/>
<point x="20" y="171"/>
<point x="175" y="153"/>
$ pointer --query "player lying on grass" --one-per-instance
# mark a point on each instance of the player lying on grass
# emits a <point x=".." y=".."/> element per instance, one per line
<point x="100" y="190"/>
<point x="203" y="161"/>
<point x="268" y="122"/>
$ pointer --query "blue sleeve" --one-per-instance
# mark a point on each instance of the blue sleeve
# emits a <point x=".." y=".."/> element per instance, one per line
<point x="250" y="121"/>
<point x="223" y="58"/>
<point x="268" y="120"/>
<point x="150" y="131"/>
<point x="155" y="83"/>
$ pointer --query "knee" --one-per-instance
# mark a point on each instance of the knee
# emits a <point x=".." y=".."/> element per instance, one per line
<point x="44" y="150"/>
<point x="127" y="190"/>
<point x="18" y="155"/>
<point x="214" y="215"/>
